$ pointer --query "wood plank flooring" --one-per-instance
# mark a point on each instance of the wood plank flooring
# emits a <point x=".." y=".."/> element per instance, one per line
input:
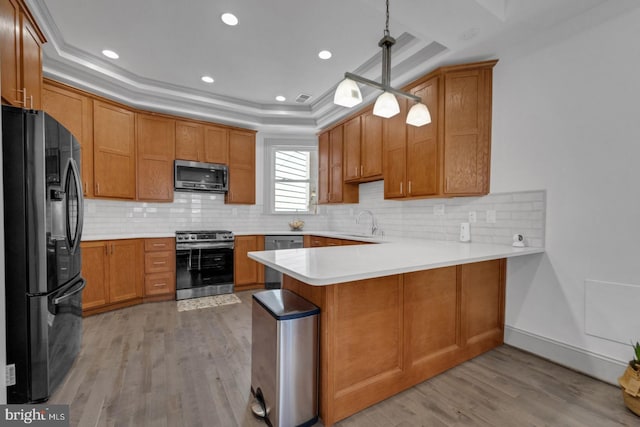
<point x="149" y="365"/>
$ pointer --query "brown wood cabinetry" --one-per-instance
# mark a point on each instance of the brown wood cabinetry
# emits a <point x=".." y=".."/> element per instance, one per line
<point x="155" y="141"/>
<point x="331" y="185"/>
<point x="20" y="56"/>
<point x="217" y="144"/>
<point x="159" y="269"/>
<point x="189" y="141"/>
<point x="247" y="273"/>
<point x="242" y="168"/>
<point x="451" y="155"/>
<point x="363" y="148"/>
<point x="320" y="241"/>
<point x="383" y="335"/>
<point x="202" y="143"/>
<point x="113" y="270"/>
<point x="113" y="151"/>
<point x="75" y="111"/>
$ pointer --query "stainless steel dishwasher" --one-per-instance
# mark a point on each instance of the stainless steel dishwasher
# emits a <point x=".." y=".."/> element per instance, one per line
<point x="273" y="278"/>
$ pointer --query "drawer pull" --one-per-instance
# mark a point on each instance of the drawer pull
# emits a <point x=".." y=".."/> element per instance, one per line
<point x="159" y="244"/>
<point x="157" y="285"/>
<point x="159" y="262"/>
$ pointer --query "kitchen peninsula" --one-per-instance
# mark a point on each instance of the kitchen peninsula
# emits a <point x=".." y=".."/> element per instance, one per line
<point x="397" y="313"/>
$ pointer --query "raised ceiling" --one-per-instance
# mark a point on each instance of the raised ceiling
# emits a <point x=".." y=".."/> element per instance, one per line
<point x="166" y="46"/>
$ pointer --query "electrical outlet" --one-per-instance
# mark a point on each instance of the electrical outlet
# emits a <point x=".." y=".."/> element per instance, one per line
<point x="473" y="217"/>
<point x="10" y="374"/>
<point x="491" y="217"/>
<point x="438" y="210"/>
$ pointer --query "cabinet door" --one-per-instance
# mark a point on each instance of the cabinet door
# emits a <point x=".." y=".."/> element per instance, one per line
<point x="351" y="140"/>
<point x="31" y="54"/>
<point x="156" y="151"/>
<point x="95" y="270"/>
<point x="113" y="151"/>
<point x="371" y="147"/>
<point x="216" y="145"/>
<point x="245" y="270"/>
<point x="467" y="106"/>
<point x="323" y="168"/>
<point x="189" y="141"/>
<point x="395" y="154"/>
<point x="242" y="168"/>
<point x="75" y="112"/>
<point x="10" y="52"/>
<point x="422" y="146"/>
<point x="335" y="161"/>
<point x="125" y="267"/>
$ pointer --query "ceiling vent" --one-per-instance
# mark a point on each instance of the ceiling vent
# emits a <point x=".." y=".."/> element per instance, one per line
<point x="302" y="98"/>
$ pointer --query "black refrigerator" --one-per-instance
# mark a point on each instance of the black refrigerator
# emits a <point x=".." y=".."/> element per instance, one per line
<point x="43" y="214"/>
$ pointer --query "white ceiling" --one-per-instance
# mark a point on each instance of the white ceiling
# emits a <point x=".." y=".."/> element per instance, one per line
<point x="166" y="46"/>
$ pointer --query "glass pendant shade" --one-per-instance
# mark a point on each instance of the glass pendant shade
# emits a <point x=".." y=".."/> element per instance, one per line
<point x="386" y="106"/>
<point x="419" y="115"/>
<point x="347" y="94"/>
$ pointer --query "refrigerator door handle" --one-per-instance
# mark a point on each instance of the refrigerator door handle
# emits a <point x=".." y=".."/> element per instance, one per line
<point x="58" y="300"/>
<point x="73" y="244"/>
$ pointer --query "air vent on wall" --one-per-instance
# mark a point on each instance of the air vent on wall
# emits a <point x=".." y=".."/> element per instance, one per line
<point x="302" y="98"/>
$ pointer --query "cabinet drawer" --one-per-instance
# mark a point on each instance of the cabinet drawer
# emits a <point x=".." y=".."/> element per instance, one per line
<point x="164" y="244"/>
<point x="159" y="284"/>
<point x="159" y="262"/>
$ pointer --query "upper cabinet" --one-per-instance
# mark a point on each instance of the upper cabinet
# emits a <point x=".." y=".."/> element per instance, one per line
<point x="202" y="143"/>
<point x="75" y="111"/>
<point x="21" y="56"/>
<point x="363" y="148"/>
<point x="155" y="140"/>
<point x="216" y="144"/>
<point x="451" y="155"/>
<point x="189" y="141"/>
<point x="114" y="151"/>
<point x="467" y="131"/>
<point x="332" y="188"/>
<point x="242" y="167"/>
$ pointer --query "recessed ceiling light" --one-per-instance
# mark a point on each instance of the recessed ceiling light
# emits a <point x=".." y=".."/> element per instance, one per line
<point x="324" y="54"/>
<point x="110" y="54"/>
<point x="207" y="79"/>
<point x="280" y="98"/>
<point x="229" y="19"/>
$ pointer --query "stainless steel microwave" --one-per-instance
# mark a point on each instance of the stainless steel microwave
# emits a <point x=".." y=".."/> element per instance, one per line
<point x="198" y="176"/>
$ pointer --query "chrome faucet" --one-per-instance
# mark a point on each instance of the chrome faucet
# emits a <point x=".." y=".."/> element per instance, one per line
<point x="374" y="224"/>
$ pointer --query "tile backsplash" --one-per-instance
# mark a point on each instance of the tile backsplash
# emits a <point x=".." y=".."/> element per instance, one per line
<point x="520" y="212"/>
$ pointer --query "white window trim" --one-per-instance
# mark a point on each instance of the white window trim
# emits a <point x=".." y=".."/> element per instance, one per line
<point x="269" y="181"/>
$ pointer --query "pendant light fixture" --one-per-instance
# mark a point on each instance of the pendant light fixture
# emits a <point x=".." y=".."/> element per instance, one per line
<point x="348" y="93"/>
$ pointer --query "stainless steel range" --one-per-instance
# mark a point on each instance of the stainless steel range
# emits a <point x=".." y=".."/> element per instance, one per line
<point x="204" y="263"/>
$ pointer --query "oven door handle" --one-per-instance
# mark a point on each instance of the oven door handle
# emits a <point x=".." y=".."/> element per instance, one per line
<point x="189" y="246"/>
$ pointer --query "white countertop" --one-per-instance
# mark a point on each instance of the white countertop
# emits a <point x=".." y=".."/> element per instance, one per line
<point x="337" y="264"/>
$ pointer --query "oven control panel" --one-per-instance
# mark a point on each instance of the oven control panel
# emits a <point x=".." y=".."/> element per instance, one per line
<point x="204" y="236"/>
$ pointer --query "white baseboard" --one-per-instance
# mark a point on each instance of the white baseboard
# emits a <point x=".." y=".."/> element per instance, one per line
<point x="596" y="365"/>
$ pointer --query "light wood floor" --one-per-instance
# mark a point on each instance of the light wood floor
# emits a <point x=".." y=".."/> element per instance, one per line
<point x="152" y="366"/>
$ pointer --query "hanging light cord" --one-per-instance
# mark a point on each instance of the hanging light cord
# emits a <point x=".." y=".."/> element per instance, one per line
<point x="386" y="29"/>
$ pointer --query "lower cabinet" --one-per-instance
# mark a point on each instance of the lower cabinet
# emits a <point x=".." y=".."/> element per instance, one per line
<point x="247" y="273"/>
<point x="159" y="269"/>
<point x="114" y="272"/>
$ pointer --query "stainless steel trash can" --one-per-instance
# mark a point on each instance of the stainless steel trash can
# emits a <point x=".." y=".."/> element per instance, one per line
<point x="284" y="358"/>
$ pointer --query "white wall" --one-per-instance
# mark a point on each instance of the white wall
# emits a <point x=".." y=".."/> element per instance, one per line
<point x="566" y="118"/>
